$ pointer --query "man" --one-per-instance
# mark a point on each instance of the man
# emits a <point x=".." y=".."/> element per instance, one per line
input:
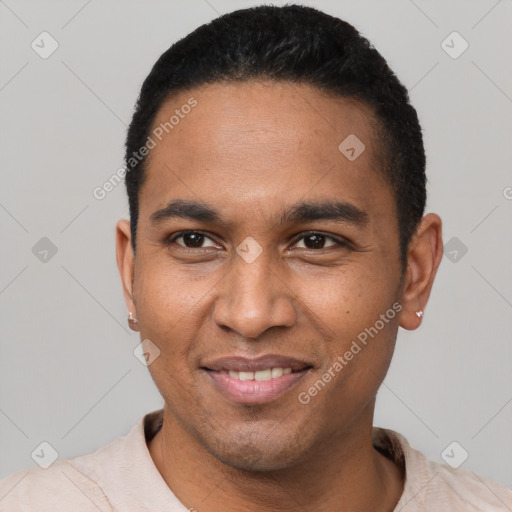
<point x="276" y="243"/>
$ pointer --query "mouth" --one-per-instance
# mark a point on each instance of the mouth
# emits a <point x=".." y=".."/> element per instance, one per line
<point x="255" y="381"/>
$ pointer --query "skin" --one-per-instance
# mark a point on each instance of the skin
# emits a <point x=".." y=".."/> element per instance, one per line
<point x="251" y="151"/>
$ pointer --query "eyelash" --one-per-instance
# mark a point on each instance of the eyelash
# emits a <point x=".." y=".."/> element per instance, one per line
<point x="340" y="243"/>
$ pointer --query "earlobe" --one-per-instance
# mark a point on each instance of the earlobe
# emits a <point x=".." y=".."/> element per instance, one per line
<point x="423" y="259"/>
<point x="125" y="264"/>
<point x="132" y="322"/>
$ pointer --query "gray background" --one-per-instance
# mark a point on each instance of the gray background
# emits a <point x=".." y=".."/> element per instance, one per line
<point x="67" y="370"/>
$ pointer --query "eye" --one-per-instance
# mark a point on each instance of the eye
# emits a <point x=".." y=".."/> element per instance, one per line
<point x="198" y="240"/>
<point x="315" y="240"/>
<point x="191" y="240"/>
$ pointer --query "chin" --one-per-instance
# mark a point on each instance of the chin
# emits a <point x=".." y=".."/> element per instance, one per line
<point x="256" y="451"/>
<point x="255" y="459"/>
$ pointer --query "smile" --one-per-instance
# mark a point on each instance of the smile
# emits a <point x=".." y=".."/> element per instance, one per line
<point x="255" y="381"/>
<point x="260" y="375"/>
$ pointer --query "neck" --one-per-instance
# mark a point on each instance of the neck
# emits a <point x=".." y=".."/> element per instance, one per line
<point x="364" y="479"/>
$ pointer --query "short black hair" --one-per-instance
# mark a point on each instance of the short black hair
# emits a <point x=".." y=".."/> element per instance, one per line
<point x="295" y="44"/>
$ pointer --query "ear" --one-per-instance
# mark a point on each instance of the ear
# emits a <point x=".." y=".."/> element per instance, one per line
<point x="125" y="264"/>
<point x="423" y="258"/>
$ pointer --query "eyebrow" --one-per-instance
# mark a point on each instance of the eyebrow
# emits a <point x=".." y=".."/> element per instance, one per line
<point x="303" y="212"/>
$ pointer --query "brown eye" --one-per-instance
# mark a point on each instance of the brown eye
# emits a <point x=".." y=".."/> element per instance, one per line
<point x="318" y="241"/>
<point x="193" y="240"/>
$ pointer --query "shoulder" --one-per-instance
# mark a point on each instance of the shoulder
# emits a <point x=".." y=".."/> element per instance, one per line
<point x="61" y="487"/>
<point x="465" y="489"/>
<point x="105" y="480"/>
<point x="431" y="485"/>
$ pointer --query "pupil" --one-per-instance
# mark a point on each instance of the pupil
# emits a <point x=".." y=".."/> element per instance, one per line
<point x="317" y="241"/>
<point x="193" y="239"/>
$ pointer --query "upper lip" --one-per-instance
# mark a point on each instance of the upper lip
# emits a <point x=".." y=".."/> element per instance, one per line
<point x="245" y="364"/>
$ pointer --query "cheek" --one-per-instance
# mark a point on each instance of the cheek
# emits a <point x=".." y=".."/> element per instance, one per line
<point x="357" y="313"/>
<point x="346" y="300"/>
<point x="165" y="295"/>
<point x="168" y="306"/>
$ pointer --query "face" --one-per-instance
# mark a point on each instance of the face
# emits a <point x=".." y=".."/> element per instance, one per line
<point x="261" y="245"/>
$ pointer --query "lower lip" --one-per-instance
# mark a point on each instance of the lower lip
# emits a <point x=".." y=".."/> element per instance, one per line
<point x="255" y="391"/>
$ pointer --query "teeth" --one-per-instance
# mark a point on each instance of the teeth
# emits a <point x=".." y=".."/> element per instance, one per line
<point x="277" y="372"/>
<point x="260" y="375"/>
<point x="263" y="374"/>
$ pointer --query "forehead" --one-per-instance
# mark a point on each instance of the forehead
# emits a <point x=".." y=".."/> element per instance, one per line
<point x="263" y="141"/>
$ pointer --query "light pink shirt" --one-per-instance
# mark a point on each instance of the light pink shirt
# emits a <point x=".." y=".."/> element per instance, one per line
<point x="121" y="477"/>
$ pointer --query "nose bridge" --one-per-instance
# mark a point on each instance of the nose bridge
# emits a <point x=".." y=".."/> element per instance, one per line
<point x="253" y="298"/>
<point x="254" y="280"/>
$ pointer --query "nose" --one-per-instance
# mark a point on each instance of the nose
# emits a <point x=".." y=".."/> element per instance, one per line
<point x="253" y="298"/>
